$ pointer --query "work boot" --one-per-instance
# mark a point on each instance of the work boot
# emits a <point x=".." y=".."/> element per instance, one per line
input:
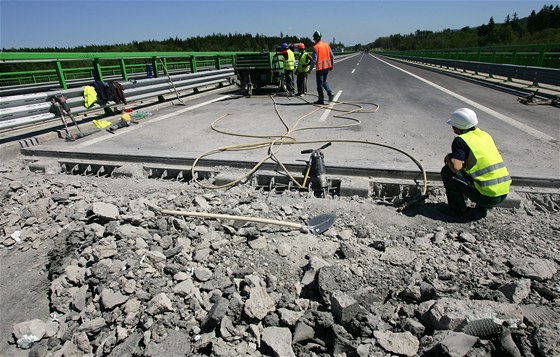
<point x="477" y="213"/>
<point x="331" y="97"/>
<point x="453" y="212"/>
<point x="320" y="102"/>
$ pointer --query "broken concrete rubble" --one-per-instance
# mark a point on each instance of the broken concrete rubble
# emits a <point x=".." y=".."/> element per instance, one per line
<point x="125" y="281"/>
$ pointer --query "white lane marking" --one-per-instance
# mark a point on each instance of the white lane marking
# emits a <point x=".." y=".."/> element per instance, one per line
<point x="328" y="111"/>
<point x="354" y="70"/>
<point x="150" y="121"/>
<point x="523" y="127"/>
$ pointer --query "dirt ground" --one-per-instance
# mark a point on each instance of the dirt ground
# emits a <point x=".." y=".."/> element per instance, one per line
<point x="460" y="259"/>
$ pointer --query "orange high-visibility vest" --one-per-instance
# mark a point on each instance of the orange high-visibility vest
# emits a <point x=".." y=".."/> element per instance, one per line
<point x="323" y="56"/>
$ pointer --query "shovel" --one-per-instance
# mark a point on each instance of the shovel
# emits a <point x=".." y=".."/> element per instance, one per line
<point x="316" y="225"/>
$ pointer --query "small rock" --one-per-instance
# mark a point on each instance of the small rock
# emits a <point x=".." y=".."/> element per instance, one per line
<point x="110" y="298"/>
<point x="91" y="326"/>
<point x="279" y="339"/>
<point x="284" y="249"/>
<point x="159" y="304"/>
<point x="202" y="274"/>
<point x="105" y="211"/>
<point x="466" y="237"/>
<point x="402" y="343"/>
<point x="258" y="243"/>
<point x="28" y="332"/>
<point x="185" y="288"/>
<point x="398" y="256"/>
<point x="533" y="268"/>
<point x="259" y="303"/>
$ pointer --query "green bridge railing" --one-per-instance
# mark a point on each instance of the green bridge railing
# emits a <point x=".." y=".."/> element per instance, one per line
<point x="67" y="66"/>
<point x="544" y="55"/>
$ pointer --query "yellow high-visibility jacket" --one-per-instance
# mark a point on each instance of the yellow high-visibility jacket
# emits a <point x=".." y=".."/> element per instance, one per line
<point x="490" y="175"/>
<point x="90" y="96"/>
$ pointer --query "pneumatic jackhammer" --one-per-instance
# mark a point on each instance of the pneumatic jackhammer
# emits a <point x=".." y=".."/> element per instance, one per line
<point x="316" y="171"/>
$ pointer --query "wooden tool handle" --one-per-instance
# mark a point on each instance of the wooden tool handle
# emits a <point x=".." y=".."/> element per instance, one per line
<point x="230" y="217"/>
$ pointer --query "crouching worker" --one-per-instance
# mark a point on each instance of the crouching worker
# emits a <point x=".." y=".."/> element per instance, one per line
<point x="474" y="168"/>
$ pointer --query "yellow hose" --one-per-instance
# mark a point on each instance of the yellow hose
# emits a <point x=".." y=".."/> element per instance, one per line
<point x="275" y="142"/>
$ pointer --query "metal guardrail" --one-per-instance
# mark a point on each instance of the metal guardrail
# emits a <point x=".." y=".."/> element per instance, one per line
<point x="539" y="55"/>
<point x="76" y="83"/>
<point x="123" y="64"/>
<point x="536" y="75"/>
<point x="23" y="105"/>
<point x="26" y="109"/>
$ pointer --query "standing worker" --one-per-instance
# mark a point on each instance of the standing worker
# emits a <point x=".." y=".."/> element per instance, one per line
<point x="304" y="65"/>
<point x="323" y="60"/>
<point x="474" y="168"/>
<point x="289" y="66"/>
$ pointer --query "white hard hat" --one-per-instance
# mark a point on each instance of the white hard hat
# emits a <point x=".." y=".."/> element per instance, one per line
<point x="463" y="119"/>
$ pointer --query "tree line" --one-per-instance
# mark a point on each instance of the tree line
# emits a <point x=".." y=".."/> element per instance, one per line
<point x="210" y="43"/>
<point x="538" y="28"/>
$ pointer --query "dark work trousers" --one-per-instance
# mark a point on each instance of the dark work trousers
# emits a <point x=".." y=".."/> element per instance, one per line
<point x="302" y="82"/>
<point x="289" y="75"/>
<point x="322" y="83"/>
<point x="456" y="192"/>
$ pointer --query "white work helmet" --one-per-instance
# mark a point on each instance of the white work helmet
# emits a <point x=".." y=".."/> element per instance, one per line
<point x="463" y="119"/>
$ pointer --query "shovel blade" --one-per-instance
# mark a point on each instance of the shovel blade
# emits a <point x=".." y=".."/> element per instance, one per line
<point x="321" y="223"/>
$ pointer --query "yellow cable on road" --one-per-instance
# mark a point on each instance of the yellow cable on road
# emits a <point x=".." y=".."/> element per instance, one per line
<point x="275" y="142"/>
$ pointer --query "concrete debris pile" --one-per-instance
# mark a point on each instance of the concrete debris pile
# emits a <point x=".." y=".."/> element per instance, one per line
<point x="125" y="281"/>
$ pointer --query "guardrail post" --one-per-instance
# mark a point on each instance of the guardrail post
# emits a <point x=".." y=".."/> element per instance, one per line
<point x="193" y="64"/>
<point x="161" y="98"/>
<point x="123" y="70"/>
<point x="217" y="62"/>
<point x="155" y="67"/>
<point x="540" y="60"/>
<point x="60" y="75"/>
<point x="165" y="71"/>
<point x="513" y="56"/>
<point x="97" y="75"/>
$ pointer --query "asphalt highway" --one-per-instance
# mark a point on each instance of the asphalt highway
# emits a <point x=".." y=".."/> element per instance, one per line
<point x="395" y="106"/>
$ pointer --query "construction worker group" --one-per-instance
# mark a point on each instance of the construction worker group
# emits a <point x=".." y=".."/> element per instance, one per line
<point x="322" y="60"/>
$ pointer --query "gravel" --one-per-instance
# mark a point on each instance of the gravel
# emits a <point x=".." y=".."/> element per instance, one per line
<point x="89" y="269"/>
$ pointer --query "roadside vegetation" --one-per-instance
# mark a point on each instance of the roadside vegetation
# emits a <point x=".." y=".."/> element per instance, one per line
<point x="538" y="28"/>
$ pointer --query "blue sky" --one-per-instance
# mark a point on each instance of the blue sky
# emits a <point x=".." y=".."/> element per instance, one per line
<point x="69" y="23"/>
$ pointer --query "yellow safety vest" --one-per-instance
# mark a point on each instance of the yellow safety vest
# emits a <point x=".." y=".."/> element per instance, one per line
<point x="90" y="96"/>
<point x="490" y="175"/>
<point x="290" y="63"/>
<point x="304" y="63"/>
